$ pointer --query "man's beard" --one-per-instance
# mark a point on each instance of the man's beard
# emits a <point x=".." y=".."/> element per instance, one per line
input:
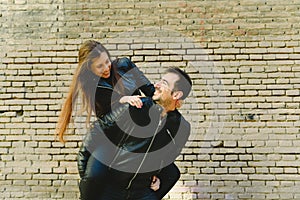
<point x="165" y="103"/>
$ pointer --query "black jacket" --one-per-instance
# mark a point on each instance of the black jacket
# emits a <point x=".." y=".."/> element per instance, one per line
<point x="132" y="82"/>
<point x="142" y="142"/>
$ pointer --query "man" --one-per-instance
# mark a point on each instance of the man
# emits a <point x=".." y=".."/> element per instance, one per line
<point x="146" y="141"/>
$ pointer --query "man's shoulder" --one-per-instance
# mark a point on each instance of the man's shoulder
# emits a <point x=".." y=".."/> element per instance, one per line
<point x="176" y="115"/>
<point x="177" y="119"/>
<point x="183" y="122"/>
<point x="179" y="128"/>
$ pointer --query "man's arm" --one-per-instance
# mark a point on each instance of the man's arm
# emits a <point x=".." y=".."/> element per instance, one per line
<point x="170" y="174"/>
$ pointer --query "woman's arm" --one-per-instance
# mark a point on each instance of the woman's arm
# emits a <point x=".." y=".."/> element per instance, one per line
<point x="142" y="82"/>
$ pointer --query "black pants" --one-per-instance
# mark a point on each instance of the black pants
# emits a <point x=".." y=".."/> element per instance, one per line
<point x="111" y="192"/>
<point x="95" y="179"/>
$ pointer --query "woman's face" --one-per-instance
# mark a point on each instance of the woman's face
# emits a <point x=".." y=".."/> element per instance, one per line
<point x="101" y="66"/>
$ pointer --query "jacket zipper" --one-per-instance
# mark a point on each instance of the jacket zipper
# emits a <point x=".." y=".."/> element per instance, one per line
<point x="118" y="151"/>
<point x="104" y="87"/>
<point x="148" y="149"/>
<point x="171" y="136"/>
<point x="100" y="86"/>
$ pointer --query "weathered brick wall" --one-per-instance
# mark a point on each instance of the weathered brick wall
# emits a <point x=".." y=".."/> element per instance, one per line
<point x="243" y="57"/>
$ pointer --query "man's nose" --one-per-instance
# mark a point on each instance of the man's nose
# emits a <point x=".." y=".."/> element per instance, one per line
<point x="157" y="84"/>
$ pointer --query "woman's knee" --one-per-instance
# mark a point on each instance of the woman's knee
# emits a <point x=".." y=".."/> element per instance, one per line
<point x="95" y="169"/>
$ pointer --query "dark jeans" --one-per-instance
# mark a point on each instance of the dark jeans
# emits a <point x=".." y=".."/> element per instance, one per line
<point x="111" y="192"/>
<point x="95" y="169"/>
<point x="95" y="179"/>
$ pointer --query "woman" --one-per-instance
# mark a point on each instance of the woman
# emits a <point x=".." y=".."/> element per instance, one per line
<point x="103" y="85"/>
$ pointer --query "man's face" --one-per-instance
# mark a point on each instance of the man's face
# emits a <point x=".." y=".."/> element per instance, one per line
<point x="163" y="89"/>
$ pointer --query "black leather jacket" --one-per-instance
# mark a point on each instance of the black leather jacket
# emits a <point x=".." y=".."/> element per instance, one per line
<point x="143" y="141"/>
<point x="132" y="82"/>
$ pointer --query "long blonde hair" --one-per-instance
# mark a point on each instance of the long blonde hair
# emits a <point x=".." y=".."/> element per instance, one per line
<point x="84" y="82"/>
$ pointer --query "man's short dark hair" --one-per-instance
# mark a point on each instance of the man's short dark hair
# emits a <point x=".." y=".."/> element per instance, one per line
<point x="184" y="83"/>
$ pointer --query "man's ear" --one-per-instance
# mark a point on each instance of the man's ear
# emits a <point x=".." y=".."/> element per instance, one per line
<point x="177" y="95"/>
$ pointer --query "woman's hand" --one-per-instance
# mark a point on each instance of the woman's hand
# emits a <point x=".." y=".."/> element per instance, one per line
<point x="155" y="183"/>
<point x="132" y="100"/>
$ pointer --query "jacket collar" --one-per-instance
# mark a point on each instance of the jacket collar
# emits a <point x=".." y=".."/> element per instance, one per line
<point x="104" y="83"/>
<point x="173" y="115"/>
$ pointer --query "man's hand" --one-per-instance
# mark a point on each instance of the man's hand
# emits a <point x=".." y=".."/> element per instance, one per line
<point x="132" y="100"/>
<point x="155" y="183"/>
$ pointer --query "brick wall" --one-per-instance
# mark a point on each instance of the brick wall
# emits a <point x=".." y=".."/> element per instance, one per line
<point x="243" y="57"/>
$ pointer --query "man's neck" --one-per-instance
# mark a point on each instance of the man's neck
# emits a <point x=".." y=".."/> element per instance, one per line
<point x="167" y="108"/>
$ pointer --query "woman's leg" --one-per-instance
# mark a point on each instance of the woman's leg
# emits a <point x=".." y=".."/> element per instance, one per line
<point x="93" y="181"/>
<point x="168" y="177"/>
<point x="91" y="142"/>
<point x="87" y="188"/>
<point x="92" y="171"/>
<point x="145" y="194"/>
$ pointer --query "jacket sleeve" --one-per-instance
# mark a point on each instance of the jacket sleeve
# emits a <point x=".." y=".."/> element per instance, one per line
<point x="143" y="82"/>
<point x="103" y="124"/>
<point x="82" y="159"/>
<point x="147" y="115"/>
<point x="178" y="140"/>
<point x="176" y="136"/>
<point x="170" y="174"/>
<point x="184" y="132"/>
<point x="96" y="134"/>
